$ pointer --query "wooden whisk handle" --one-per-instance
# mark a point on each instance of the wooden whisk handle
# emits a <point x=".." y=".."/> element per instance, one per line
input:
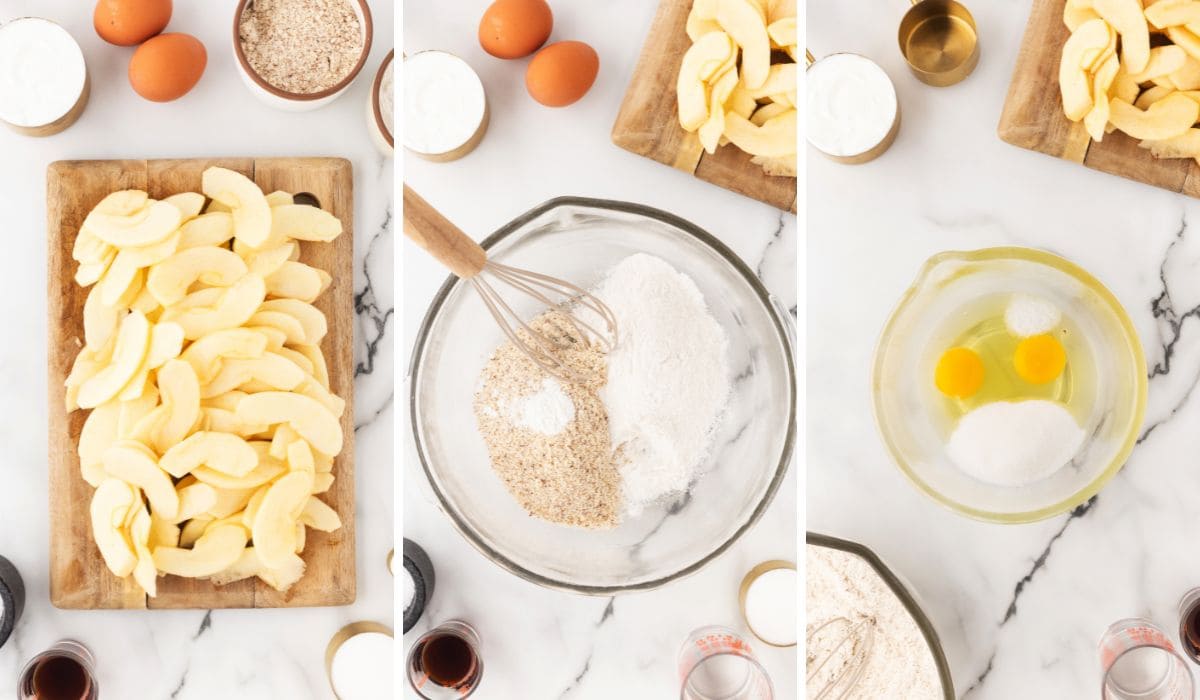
<point x="426" y="227"/>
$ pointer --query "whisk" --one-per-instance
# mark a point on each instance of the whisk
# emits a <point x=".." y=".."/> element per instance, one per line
<point x="855" y="640"/>
<point x="426" y="227"/>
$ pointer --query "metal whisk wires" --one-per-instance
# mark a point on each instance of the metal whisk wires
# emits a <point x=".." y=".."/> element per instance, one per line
<point x="555" y="294"/>
<point x="426" y="227"/>
<point x="853" y="646"/>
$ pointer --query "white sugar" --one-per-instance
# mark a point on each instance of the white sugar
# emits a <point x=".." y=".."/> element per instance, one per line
<point x="1015" y="443"/>
<point x="362" y="667"/>
<point x="771" y="606"/>
<point x="1028" y="315"/>
<point x="547" y="411"/>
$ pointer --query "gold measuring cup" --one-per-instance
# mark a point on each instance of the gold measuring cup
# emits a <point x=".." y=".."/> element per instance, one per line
<point x="938" y="40"/>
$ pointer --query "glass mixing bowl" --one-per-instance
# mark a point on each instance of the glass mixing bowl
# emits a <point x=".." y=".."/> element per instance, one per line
<point x="578" y="240"/>
<point x="936" y="309"/>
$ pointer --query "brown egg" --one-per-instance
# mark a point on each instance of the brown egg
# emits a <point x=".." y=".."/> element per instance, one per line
<point x="515" y="28"/>
<point x="130" y="22"/>
<point x="166" y="67"/>
<point x="562" y="73"/>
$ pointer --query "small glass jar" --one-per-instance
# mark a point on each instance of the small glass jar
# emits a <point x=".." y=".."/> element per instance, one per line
<point x="65" y="670"/>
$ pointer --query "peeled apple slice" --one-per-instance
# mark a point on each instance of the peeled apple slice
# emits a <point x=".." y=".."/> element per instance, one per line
<point x="776" y="137"/>
<point x="699" y="63"/>
<point x="304" y="222"/>
<point x="133" y="340"/>
<point x="217" y="549"/>
<point x="305" y="415"/>
<point x="180" y="392"/>
<point x="274" y="529"/>
<point x="1127" y="17"/>
<point x="194" y="499"/>
<point x="744" y="22"/>
<point x="122" y="203"/>
<point x="1073" y="78"/>
<point x="142" y="228"/>
<point x="294" y="280"/>
<point x="213" y="228"/>
<point x="1097" y="118"/>
<point x="134" y="463"/>
<point x="110" y="504"/>
<point x="222" y="452"/>
<point x="235" y="306"/>
<point x="319" y="516"/>
<point x="169" y="280"/>
<point x="205" y="355"/>
<point x="1169" y="117"/>
<point x="251" y="213"/>
<point x="272" y="370"/>
<point x="311" y="319"/>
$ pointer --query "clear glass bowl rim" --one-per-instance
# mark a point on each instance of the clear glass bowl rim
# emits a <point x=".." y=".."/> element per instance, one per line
<point x="770" y="305"/>
<point x="1086" y="279"/>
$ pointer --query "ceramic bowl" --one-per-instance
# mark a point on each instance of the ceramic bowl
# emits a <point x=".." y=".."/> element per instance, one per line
<point x="291" y="101"/>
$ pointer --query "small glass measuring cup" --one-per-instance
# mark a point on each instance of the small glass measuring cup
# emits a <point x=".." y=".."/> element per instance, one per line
<point x="716" y="663"/>
<point x="445" y="662"/>
<point x="64" y="671"/>
<point x="1139" y="662"/>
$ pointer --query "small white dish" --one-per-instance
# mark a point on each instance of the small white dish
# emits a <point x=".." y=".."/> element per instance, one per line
<point x="377" y="123"/>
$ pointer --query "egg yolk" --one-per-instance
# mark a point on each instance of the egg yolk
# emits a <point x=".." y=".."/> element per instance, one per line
<point x="959" y="373"/>
<point x="1039" y="359"/>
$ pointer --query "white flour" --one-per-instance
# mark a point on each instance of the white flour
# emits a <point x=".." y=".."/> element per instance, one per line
<point x="668" y="378"/>
<point x="1014" y="443"/>
<point x="899" y="663"/>
<point x="547" y="411"/>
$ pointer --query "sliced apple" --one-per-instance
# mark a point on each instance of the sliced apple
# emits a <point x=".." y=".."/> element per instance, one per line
<point x="110" y="503"/>
<point x="195" y="499"/>
<point x="220" y="452"/>
<point x="742" y="20"/>
<point x="283" y="438"/>
<point x="274" y="530"/>
<point x="132" y="343"/>
<point x="265" y="262"/>
<point x="180" y="391"/>
<point x="320" y="370"/>
<point x="319" y="516"/>
<point x="224" y="421"/>
<point x="166" y="341"/>
<point x="193" y="529"/>
<point x="254" y="504"/>
<point x="305" y="223"/>
<point x="1073" y="79"/>
<point x="136" y="464"/>
<point x="312" y="321"/>
<point x="230" y="502"/>
<point x="1171" y="116"/>
<point x="305" y="415"/>
<point x="205" y="355"/>
<point x="1097" y="118"/>
<point x="233" y="308"/>
<point x="322" y="482"/>
<point x="776" y="137"/>
<point x="300" y="457"/>
<point x="163" y="532"/>
<point x="250" y="210"/>
<point x="90" y="249"/>
<point x="699" y="63"/>
<point x="272" y="370"/>
<point x="267" y="470"/>
<point x="214" y="228"/>
<point x="151" y="224"/>
<point x="99" y="432"/>
<point x="1126" y="16"/>
<point x="170" y="279"/>
<point x="217" y="549"/>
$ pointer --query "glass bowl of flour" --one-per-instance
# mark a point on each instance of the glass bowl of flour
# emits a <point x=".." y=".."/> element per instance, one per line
<point x="995" y="435"/>
<point x="746" y="453"/>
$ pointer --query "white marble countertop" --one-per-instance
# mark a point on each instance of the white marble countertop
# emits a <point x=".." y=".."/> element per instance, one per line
<point x="190" y="655"/>
<point x="1020" y="608"/>
<point x="539" y="643"/>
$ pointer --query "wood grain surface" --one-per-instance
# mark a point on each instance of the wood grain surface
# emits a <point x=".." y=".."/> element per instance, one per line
<point x="78" y="576"/>
<point x="1033" y="115"/>
<point x="648" y="122"/>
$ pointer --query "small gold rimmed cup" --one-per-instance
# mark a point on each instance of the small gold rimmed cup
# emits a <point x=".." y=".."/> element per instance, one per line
<point x="939" y="41"/>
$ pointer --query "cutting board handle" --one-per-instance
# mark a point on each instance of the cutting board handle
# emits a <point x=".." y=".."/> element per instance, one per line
<point x="426" y="227"/>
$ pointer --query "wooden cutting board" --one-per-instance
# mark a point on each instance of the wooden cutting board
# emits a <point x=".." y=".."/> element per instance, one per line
<point x="648" y="123"/>
<point x="1033" y="116"/>
<point x="78" y="577"/>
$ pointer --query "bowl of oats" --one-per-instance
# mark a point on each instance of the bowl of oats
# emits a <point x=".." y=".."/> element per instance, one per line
<point x="298" y="55"/>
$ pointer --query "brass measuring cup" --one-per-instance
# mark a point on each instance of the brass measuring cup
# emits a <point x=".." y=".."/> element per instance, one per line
<point x="939" y="42"/>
